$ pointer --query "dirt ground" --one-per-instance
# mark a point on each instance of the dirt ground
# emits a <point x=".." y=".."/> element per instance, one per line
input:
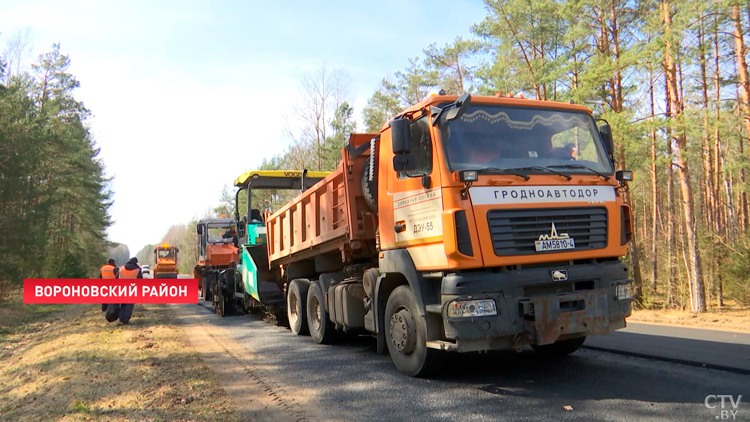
<point x="731" y="319"/>
<point x="66" y="363"/>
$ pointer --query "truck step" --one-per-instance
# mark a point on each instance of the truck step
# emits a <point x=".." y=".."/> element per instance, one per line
<point x="442" y="345"/>
<point x="435" y="308"/>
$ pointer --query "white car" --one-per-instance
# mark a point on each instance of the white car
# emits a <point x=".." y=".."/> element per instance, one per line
<point x="145" y="269"/>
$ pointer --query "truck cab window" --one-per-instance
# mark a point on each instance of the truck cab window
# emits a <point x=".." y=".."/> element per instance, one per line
<point x="421" y="148"/>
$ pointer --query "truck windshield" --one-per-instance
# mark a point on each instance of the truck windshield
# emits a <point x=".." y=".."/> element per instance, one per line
<point x="166" y="254"/>
<point x="221" y="234"/>
<point x="504" y="137"/>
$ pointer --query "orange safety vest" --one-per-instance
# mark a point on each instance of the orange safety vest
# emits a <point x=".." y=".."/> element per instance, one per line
<point x="129" y="273"/>
<point x="107" y="271"/>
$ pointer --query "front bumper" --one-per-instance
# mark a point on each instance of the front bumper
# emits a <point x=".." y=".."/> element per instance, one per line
<point x="586" y="306"/>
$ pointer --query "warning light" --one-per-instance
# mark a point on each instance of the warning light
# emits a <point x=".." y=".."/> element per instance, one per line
<point x="166" y="245"/>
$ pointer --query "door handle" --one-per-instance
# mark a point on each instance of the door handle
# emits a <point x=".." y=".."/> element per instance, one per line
<point x="400" y="227"/>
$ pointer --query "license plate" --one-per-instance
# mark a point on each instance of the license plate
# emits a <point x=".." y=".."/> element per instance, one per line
<point x="554" y="245"/>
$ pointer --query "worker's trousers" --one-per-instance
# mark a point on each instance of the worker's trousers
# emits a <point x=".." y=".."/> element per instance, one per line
<point x="122" y="312"/>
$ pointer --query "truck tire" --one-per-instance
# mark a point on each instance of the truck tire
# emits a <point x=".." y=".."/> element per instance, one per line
<point x="560" y="347"/>
<point x="220" y="303"/>
<point x="246" y="303"/>
<point x="212" y="287"/>
<point x="296" y="306"/>
<point x="321" y="328"/>
<point x="206" y="288"/>
<point x="369" y="189"/>
<point x="406" y="335"/>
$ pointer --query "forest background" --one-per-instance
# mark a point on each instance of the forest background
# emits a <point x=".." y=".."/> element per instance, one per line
<point x="670" y="77"/>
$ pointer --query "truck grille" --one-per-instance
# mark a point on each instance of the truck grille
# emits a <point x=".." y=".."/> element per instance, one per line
<point x="514" y="232"/>
<point x="547" y="289"/>
<point x="557" y="288"/>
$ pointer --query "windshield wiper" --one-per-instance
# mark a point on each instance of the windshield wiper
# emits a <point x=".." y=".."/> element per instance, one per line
<point x="581" y="166"/>
<point x="543" y="169"/>
<point x="495" y="170"/>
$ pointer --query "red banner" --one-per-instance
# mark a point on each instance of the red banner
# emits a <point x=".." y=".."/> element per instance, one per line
<point x="96" y="290"/>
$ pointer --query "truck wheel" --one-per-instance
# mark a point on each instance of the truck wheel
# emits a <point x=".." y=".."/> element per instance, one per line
<point x="219" y="307"/>
<point x="406" y="335"/>
<point x="560" y="347"/>
<point x="321" y="328"/>
<point x="296" y="306"/>
<point x="246" y="305"/>
<point x="369" y="189"/>
<point x="212" y="289"/>
<point x="206" y="289"/>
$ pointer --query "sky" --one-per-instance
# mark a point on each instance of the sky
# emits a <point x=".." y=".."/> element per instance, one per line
<point x="187" y="95"/>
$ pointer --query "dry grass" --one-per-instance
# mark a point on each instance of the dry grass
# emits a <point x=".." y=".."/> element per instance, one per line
<point x="731" y="318"/>
<point x="69" y="364"/>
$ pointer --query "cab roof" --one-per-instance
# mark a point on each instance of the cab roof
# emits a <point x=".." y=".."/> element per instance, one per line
<point x="164" y="248"/>
<point x="216" y="220"/>
<point x="525" y="102"/>
<point x="278" y="179"/>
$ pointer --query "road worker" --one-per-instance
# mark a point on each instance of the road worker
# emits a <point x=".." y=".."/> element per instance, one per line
<point x="108" y="270"/>
<point x="567" y="152"/>
<point x="124" y="311"/>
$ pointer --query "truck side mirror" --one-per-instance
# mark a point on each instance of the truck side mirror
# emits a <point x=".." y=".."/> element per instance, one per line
<point x="606" y="132"/>
<point x="200" y="229"/>
<point x="459" y="108"/>
<point x="400" y="136"/>
<point x="404" y="162"/>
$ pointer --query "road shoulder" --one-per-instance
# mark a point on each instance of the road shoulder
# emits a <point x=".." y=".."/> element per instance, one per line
<point x="255" y="391"/>
<point x="74" y="366"/>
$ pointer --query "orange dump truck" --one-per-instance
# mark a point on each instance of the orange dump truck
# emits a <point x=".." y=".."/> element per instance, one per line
<point x="467" y="224"/>
<point x="165" y="258"/>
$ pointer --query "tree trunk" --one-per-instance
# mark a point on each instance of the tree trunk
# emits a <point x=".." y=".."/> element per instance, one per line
<point x="744" y="96"/>
<point x="691" y="231"/>
<point x="739" y="51"/>
<point x="654" y="195"/>
<point x="671" y="282"/>
<point x="707" y="201"/>
<point x="617" y="107"/>
<point x="720" y="221"/>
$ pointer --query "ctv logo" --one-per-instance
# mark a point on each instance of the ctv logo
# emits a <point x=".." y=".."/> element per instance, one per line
<point x="726" y="400"/>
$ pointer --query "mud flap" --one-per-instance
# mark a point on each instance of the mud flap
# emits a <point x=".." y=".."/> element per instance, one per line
<point x="269" y="293"/>
<point x="569" y="314"/>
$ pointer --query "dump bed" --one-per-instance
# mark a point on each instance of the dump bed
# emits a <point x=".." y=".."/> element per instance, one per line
<point x="331" y="215"/>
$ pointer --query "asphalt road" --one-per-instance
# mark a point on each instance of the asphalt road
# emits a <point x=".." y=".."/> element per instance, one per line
<point x="694" y="346"/>
<point x="349" y="381"/>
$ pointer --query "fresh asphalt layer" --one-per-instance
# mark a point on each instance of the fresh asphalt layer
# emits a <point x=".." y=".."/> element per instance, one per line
<point x="724" y="350"/>
<point x="349" y="381"/>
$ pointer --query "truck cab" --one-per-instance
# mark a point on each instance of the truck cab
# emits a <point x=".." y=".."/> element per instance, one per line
<point x="510" y="216"/>
<point x="165" y="258"/>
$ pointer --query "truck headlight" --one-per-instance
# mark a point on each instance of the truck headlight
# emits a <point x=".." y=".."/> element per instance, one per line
<point x="471" y="308"/>
<point x="624" y="291"/>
